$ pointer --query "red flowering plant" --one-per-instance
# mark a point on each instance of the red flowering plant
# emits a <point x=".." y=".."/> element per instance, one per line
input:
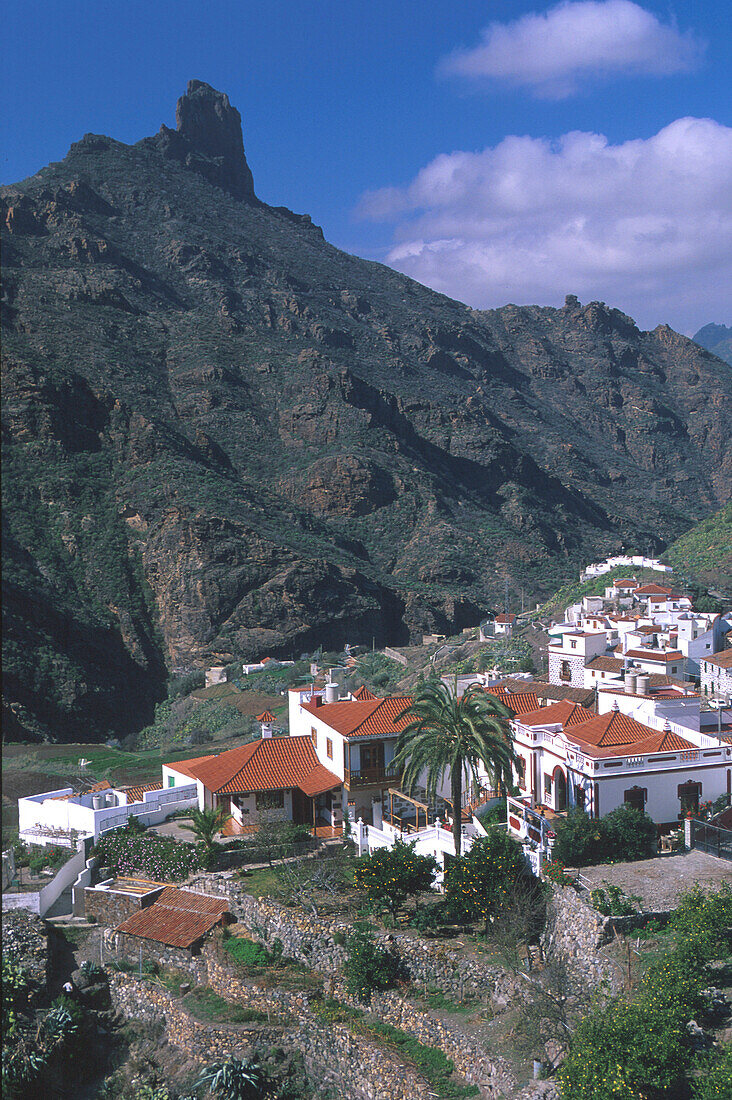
<point x="555" y="872"/>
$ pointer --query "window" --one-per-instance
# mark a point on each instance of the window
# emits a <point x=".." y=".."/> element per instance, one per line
<point x="171" y="781"/>
<point x="547" y="784"/>
<point x="270" y="800"/>
<point x="579" y="797"/>
<point x="689" y="795"/>
<point x="565" y="671"/>
<point x="636" y="797"/>
<point x="673" y="668"/>
<point x="573" y="645"/>
<point x="521" y="770"/>
<point x="329" y="748"/>
<point x="314" y="736"/>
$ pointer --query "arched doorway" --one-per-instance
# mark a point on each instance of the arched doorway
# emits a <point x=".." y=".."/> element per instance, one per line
<point x="560" y="790"/>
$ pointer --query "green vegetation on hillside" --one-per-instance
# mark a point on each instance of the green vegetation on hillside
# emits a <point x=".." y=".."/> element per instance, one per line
<point x="574" y="591"/>
<point x="703" y="555"/>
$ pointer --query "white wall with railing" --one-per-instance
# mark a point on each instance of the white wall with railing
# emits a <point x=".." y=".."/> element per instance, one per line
<point x="51" y="818"/>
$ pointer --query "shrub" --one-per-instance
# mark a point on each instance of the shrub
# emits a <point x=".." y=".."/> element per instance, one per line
<point x="715" y="1077"/>
<point x="613" y="901"/>
<point x="556" y="872"/>
<point x="391" y="875"/>
<point x="624" y="834"/>
<point x="631" y="834"/>
<point x="705" y="918"/>
<point x="247" y="953"/>
<point x="580" y="840"/>
<point x="429" y="918"/>
<point x="91" y="970"/>
<point x="368" y="966"/>
<point x="159" y="858"/>
<point x="15" y="995"/>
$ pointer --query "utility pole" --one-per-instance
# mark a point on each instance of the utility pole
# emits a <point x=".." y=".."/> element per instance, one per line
<point x="506" y="608"/>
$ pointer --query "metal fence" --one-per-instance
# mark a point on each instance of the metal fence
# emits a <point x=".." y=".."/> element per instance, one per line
<point x="711" y="839"/>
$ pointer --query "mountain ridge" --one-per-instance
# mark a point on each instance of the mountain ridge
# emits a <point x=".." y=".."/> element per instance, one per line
<point x="717" y="339"/>
<point x="226" y="436"/>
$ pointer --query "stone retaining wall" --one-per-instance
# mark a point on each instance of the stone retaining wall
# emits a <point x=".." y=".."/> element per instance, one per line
<point x="491" y="1075"/>
<point x="313" y="942"/>
<point x="357" y="1068"/>
<point x="577" y="932"/>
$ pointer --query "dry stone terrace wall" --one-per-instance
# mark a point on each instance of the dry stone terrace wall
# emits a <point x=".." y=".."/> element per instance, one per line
<point x="25" y="942"/>
<point x="356" y="1068"/>
<point x="311" y="941"/>
<point x="578" y="932"/>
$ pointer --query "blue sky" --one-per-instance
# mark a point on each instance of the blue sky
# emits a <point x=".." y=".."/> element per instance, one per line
<point x="431" y="135"/>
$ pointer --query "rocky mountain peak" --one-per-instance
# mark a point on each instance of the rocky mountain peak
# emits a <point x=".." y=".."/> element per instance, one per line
<point x="210" y="129"/>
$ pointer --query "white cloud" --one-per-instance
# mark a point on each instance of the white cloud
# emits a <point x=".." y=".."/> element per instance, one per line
<point x="645" y="225"/>
<point x="551" y="53"/>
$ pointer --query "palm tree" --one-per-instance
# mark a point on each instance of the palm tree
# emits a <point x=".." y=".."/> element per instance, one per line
<point x="205" y="824"/>
<point x="447" y="733"/>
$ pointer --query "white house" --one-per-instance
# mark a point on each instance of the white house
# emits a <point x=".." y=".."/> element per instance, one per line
<point x="355" y="738"/>
<point x="571" y="652"/>
<point x="52" y="817"/>
<point x="716" y="675"/>
<point x="278" y="777"/>
<point x="571" y="757"/>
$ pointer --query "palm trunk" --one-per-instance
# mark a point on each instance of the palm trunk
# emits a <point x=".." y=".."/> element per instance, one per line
<point x="456" y="783"/>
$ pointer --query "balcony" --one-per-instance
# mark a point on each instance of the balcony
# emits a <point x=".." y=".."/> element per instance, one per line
<point x="370" y="777"/>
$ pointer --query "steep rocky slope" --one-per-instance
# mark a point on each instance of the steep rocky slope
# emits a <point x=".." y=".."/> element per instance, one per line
<point x="224" y="435"/>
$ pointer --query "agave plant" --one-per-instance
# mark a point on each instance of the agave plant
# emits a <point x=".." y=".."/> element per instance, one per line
<point x="234" y="1080"/>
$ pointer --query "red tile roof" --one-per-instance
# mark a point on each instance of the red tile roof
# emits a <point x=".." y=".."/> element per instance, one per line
<point x="367" y="718"/>
<point x="173" y="897"/>
<point x="520" y="702"/>
<point x="363" y="694"/>
<point x="723" y="659"/>
<point x="134" y="794"/>
<point x="610" y="734"/>
<point x="605" y="664"/>
<point x="273" y="764"/>
<point x="653" y="590"/>
<point x="654" y="655"/>
<point x="625" y="583"/>
<point x="505" y="618"/>
<point x="188" y="767"/>
<point x="562" y="713"/>
<point x="265" y="716"/>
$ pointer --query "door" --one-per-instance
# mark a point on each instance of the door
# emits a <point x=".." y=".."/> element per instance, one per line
<point x="372" y="757"/>
<point x="560" y="790"/>
<point x="302" y="810"/>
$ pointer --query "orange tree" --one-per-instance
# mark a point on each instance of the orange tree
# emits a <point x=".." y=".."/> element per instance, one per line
<point x="389" y="876"/>
<point x="481" y="883"/>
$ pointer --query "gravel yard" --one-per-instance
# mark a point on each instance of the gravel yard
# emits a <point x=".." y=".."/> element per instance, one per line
<point x="660" y="882"/>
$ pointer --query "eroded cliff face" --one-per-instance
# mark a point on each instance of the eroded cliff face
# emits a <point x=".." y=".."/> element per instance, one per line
<point x="224" y="436"/>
